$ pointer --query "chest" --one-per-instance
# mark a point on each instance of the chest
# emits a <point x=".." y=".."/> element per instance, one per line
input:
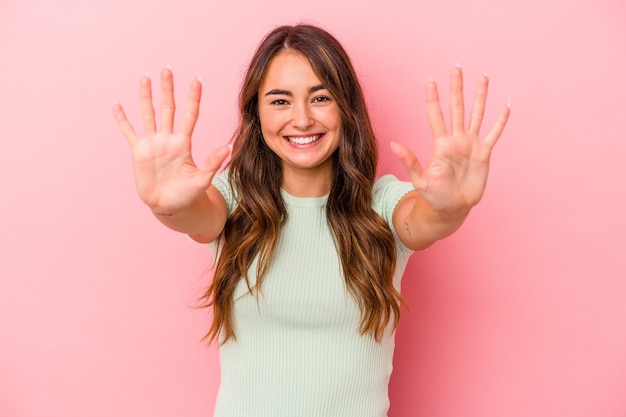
<point x="304" y="286"/>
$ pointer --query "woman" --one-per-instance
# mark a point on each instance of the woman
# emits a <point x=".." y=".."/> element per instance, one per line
<point x="311" y="247"/>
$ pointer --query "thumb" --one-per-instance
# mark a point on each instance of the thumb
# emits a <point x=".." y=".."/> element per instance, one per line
<point x="216" y="160"/>
<point x="411" y="164"/>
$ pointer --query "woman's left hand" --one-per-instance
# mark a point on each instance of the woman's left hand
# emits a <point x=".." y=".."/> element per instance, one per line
<point x="456" y="177"/>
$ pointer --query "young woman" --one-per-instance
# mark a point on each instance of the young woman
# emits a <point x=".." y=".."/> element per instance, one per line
<point x="310" y="245"/>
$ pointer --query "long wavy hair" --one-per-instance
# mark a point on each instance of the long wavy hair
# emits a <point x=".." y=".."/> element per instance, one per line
<point x="364" y="241"/>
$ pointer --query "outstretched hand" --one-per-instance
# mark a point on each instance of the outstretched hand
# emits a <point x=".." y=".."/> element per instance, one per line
<point x="167" y="178"/>
<point x="456" y="177"/>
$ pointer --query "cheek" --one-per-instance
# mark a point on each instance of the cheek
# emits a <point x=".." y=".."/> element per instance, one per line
<point x="270" y="123"/>
<point x="334" y="119"/>
<point x="335" y="124"/>
<point x="262" y="121"/>
<point x="330" y="119"/>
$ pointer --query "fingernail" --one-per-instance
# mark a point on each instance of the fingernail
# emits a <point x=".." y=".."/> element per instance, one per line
<point x="114" y="102"/>
<point x="429" y="78"/>
<point x="198" y="78"/>
<point x="455" y="64"/>
<point x="394" y="146"/>
<point x="167" y="66"/>
<point x="507" y="104"/>
<point x="484" y="74"/>
<point x="230" y="147"/>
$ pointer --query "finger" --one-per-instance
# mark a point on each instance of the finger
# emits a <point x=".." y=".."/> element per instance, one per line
<point x="478" y="110"/>
<point x="457" y="110"/>
<point x="124" y="124"/>
<point x="192" y="108"/>
<point x="167" y="100"/>
<point x="495" y="132"/>
<point x="433" y="109"/>
<point x="147" y="108"/>
<point x="411" y="164"/>
<point x="213" y="163"/>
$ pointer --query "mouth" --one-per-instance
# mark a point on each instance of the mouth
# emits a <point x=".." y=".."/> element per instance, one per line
<point x="303" y="140"/>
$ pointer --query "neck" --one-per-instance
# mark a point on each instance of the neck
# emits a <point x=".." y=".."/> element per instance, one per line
<point x="307" y="184"/>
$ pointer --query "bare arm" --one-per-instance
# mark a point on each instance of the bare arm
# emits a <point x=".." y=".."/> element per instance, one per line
<point x="456" y="177"/>
<point x="203" y="221"/>
<point x="168" y="181"/>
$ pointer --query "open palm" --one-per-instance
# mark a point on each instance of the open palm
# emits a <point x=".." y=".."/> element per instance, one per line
<point x="456" y="177"/>
<point x="166" y="176"/>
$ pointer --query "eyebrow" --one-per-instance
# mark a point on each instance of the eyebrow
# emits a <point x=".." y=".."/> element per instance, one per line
<point x="279" y="92"/>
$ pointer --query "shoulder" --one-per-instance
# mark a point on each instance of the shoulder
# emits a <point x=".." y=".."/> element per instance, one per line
<point x="386" y="193"/>
<point x="222" y="184"/>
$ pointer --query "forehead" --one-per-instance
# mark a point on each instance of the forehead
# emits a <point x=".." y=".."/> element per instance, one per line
<point x="289" y="70"/>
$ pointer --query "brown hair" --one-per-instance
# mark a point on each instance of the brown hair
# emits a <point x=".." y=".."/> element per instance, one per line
<point x="363" y="239"/>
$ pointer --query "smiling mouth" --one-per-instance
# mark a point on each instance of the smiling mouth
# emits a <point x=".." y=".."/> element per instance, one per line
<point x="303" y="140"/>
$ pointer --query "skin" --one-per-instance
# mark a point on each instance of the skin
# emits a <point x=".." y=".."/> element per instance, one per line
<point x="181" y="196"/>
<point x="293" y="103"/>
<point x="178" y="191"/>
<point x="456" y="177"/>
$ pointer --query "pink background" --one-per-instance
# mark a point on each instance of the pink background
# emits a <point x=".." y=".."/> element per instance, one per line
<point x="521" y="313"/>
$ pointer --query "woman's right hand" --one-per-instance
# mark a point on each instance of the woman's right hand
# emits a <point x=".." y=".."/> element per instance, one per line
<point x="167" y="178"/>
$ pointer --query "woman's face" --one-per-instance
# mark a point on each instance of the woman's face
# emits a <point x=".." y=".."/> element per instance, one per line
<point x="300" y="120"/>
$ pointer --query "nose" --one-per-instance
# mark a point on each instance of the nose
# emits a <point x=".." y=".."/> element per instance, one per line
<point x="301" y="117"/>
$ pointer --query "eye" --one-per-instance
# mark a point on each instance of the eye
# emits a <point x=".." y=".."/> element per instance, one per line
<point x="279" y="102"/>
<point x="321" y="99"/>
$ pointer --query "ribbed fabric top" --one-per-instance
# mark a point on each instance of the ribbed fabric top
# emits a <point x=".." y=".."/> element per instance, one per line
<point x="298" y="352"/>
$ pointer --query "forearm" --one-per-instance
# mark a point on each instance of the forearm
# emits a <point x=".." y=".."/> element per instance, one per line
<point x="419" y="225"/>
<point x="203" y="220"/>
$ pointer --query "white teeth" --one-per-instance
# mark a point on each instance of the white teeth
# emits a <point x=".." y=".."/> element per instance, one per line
<point x="303" y="140"/>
